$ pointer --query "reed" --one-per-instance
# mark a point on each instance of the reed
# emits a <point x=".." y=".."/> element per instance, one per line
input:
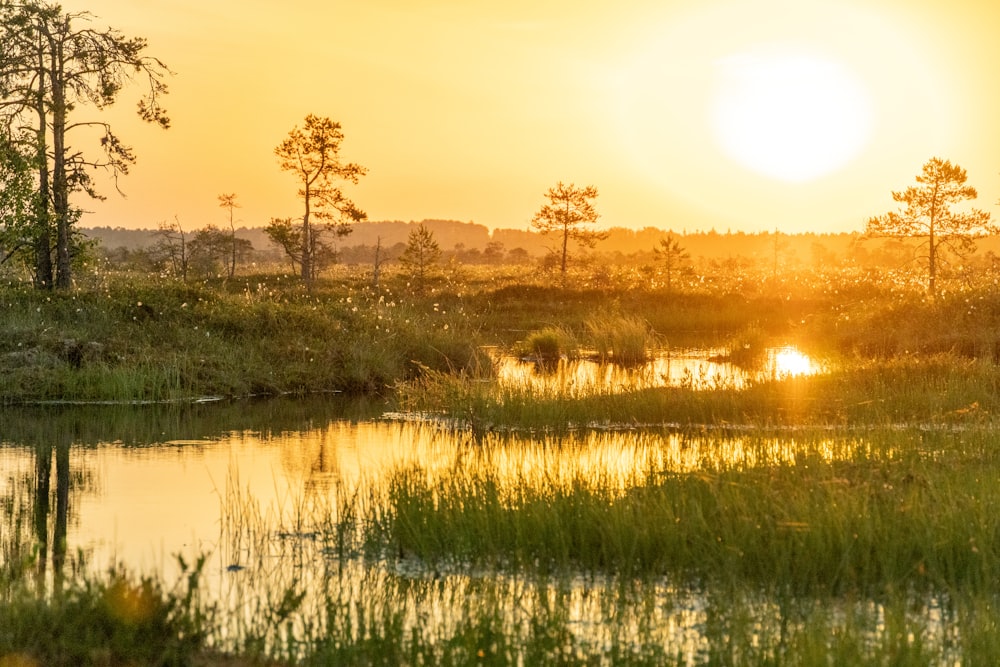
<point x="917" y="511"/>
<point x="940" y="389"/>
<point x="620" y="339"/>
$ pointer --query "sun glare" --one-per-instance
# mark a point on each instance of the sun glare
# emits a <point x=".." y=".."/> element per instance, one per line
<point x="787" y="114"/>
<point x="790" y="362"/>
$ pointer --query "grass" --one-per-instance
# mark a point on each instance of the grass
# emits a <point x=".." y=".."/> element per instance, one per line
<point x="820" y="515"/>
<point x="110" y="620"/>
<point x="626" y="341"/>
<point x="843" y="518"/>
<point x="145" y="340"/>
<point x="935" y="390"/>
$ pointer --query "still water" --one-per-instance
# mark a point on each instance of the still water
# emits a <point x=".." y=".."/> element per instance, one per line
<point x="239" y="482"/>
<point x="140" y="484"/>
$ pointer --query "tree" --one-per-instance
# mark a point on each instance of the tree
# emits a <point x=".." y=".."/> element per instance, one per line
<point x="568" y="210"/>
<point x="421" y="255"/>
<point x="312" y="155"/>
<point x="673" y="256"/>
<point x="229" y="202"/>
<point x="928" y="216"/>
<point x="172" y="248"/>
<point x="292" y="239"/>
<point x="778" y="245"/>
<point x="53" y="63"/>
<point x="210" y="248"/>
<point x="16" y="201"/>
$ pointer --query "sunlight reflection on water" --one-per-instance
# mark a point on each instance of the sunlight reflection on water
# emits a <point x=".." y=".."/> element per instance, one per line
<point x="260" y="499"/>
<point x="692" y="369"/>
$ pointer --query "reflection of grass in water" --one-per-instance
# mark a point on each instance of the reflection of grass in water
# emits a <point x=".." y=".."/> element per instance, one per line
<point x="844" y="515"/>
<point x="939" y="389"/>
<point x="802" y="549"/>
<point x="461" y="564"/>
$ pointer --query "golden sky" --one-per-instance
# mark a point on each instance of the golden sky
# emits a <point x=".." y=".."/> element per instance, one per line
<point x="800" y="115"/>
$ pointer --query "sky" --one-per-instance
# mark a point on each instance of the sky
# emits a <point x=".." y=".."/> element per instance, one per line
<point x="733" y="115"/>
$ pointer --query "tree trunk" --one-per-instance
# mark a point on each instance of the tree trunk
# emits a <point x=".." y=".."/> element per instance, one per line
<point x="306" y="243"/>
<point x="565" y="250"/>
<point x="42" y="234"/>
<point x="60" y="186"/>
<point x="932" y="266"/>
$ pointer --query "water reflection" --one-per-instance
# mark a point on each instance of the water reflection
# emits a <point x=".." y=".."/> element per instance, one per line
<point x="144" y="501"/>
<point x="698" y="369"/>
<point x="250" y="485"/>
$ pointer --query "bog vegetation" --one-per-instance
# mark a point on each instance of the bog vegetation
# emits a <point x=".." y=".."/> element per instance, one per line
<point x="879" y="506"/>
<point x="845" y="517"/>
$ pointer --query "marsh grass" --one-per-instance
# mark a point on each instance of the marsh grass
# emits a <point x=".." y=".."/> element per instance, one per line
<point x="548" y="345"/>
<point x="887" y="512"/>
<point x="937" y="390"/>
<point x="142" y="339"/>
<point x="844" y="518"/>
<point x="590" y="549"/>
<point x="116" y="618"/>
<point x="625" y="340"/>
<point x="871" y="548"/>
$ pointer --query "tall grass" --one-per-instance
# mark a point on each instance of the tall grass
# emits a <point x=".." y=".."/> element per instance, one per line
<point x="153" y="340"/>
<point x="620" y="339"/>
<point x="942" y="389"/>
<point x="887" y="512"/>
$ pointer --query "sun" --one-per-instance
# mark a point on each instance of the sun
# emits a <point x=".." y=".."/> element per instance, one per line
<point x="788" y="114"/>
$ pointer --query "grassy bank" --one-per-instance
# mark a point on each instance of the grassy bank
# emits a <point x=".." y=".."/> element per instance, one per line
<point x="126" y="337"/>
<point x="144" y="339"/>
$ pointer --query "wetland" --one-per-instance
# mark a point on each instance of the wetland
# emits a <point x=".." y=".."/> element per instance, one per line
<point x="775" y="487"/>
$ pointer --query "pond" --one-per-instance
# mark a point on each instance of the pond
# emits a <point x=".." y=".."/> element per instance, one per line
<point x="262" y="489"/>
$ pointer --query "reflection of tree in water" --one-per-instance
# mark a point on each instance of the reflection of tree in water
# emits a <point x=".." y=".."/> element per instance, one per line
<point x="30" y="493"/>
<point x="144" y="425"/>
<point x="43" y="494"/>
<point x="41" y="498"/>
<point x="312" y="455"/>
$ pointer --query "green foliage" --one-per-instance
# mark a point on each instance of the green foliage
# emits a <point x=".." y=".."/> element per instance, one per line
<point x="55" y="63"/>
<point x="16" y="201"/>
<point x="99" y="621"/>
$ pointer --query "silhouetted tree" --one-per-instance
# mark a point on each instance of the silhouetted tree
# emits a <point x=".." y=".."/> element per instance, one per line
<point x="54" y="62"/>
<point x="312" y="155"/>
<point x="928" y="215"/>
<point x="779" y="243"/>
<point x="284" y="233"/>
<point x="172" y="249"/>
<point x="420" y="256"/>
<point x="568" y="210"/>
<point x="673" y="256"/>
<point x="493" y="254"/>
<point x="210" y="248"/>
<point x="229" y="202"/>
